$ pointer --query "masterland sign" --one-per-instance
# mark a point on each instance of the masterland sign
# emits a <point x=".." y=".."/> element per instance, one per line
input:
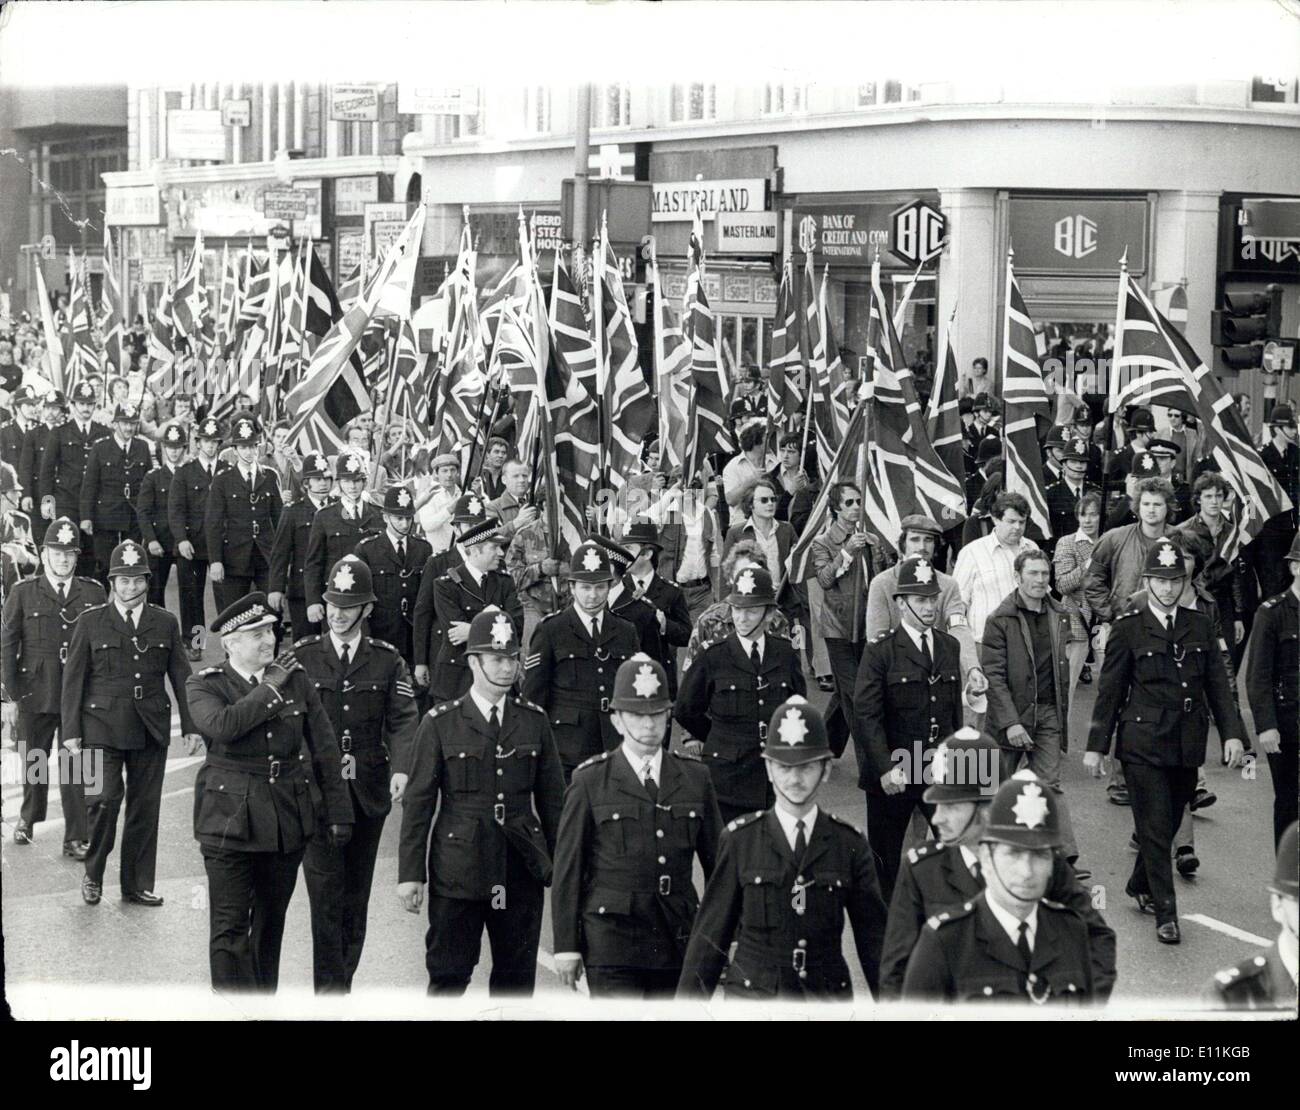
<point x="680" y="200"/>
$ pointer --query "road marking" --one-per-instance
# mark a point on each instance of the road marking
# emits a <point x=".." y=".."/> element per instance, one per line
<point x="1227" y="930"/>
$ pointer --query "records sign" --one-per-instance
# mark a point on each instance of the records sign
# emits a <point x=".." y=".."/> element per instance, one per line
<point x="354" y="103"/>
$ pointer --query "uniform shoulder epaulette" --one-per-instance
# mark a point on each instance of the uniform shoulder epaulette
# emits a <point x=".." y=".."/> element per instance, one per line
<point x="954" y="914"/>
<point x="384" y="644"/>
<point x="441" y="708"/>
<point x="92" y="608"/>
<point x="524" y="703"/>
<point x="550" y="615"/>
<point x="210" y="670"/>
<point x="591" y="762"/>
<point x="1133" y="612"/>
<point x="845" y="822"/>
<point x="91" y="581"/>
<point x="1051" y="905"/>
<point x="1272" y="601"/>
<point x="744" y="819"/>
<point x="883" y="636"/>
<point x="307" y="640"/>
<point x="932" y="849"/>
<point x="1250" y="968"/>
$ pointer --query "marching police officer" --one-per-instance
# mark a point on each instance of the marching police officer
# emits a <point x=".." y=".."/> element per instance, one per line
<point x="574" y="657"/>
<point x="946" y="873"/>
<point x="1281" y="454"/>
<point x="1009" y="943"/>
<point x="1162" y="666"/>
<point x="908" y="697"/>
<point x="624" y="603"/>
<point x="292" y="534"/>
<point x="1273" y="689"/>
<point x="634" y="821"/>
<point x="115" y="470"/>
<point x="1267" y="981"/>
<point x="490" y="759"/>
<point x="337" y="529"/>
<point x="366" y="690"/>
<point x="725" y="696"/>
<point x="14" y="432"/>
<point x="239" y="521"/>
<point x="272" y="778"/>
<point x="641" y="538"/>
<point x="40" y="614"/>
<point x="1063" y="495"/>
<point x="784" y="880"/>
<point x="395" y="558"/>
<point x="54" y="409"/>
<point x="468" y="511"/>
<point x="115" y="706"/>
<point x="151" y="512"/>
<point x="187" y="501"/>
<point x="63" y="465"/>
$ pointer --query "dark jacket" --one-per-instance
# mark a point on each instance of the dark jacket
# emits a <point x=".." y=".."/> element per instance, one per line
<point x="63" y="466"/>
<point x="397" y="588"/>
<point x="641" y="615"/>
<point x="624" y="895"/>
<point x="114" y="475"/>
<point x="1007" y="657"/>
<point x="151" y="507"/>
<point x="1259" y="982"/>
<point x="29" y="461"/>
<point x="36" y="633"/>
<point x="272" y="769"/>
<point x="187" y="502"/>
<point x="239" y="520"/>
<point x="671" y="601"/>
<point x="427" y="635"/>
<point x="1273" y="667"/>
<point x="457" y="597"/>
<point x="289" y="552"/>
<point x="113" y="691"/>
<point x="460" y="770"/>
<point x="331" y="538"/>
<point x="844" y="592"/>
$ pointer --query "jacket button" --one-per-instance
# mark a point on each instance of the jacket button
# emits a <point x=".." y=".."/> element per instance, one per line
<point x="500" y="771"/>
<point x="461" y="755"/>
<point x="746" y="982"/>
<point x="692" y="813"/>
<point x="988" y="990"/>
<point x="663" y="859"/>
<point x="659" y="833"/>
<point x="616" y="817"/>
<point x="345" y="707"/>
<point x="268" y="733"/>
<point x="601" y="910"/>
<point x="803" y="944"/>
<point x="500" y="796"/>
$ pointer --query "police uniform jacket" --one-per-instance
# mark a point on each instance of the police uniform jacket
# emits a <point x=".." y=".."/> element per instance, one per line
<point x="457" y="597"/>
<point x="29" y="459"/>
<point x="272" y="766"/>
<point x="1157" y="689"/>
<point x="786" y="918"/>
<point x="1285" y="467"/>
<point x="934" y="878"/>
<point x="151" y="507"/>
<point x="572" y="679"/>
<point x="671" y="601"/>
<point x="900" y="703"/>
<point x="727" y="705"/>
<point x="331" y="538"/>
<point x="641" y="615"/>
<point x="372" y="713"/>
<point x="240" y="519"/>
<point x="492" y="796"/>
<point x="36" y="632"/>
<point x="187" y="501"/>
<point x="112" y="481"/>
<point x="113" y="690"/>
<point x="425" y="631"/>
<point x="397" y="587"/>
<point x="1259" y="982"/>
<point x="1273" y="668"/>
<point x="964" y="955"/>
<point x="623" y="893"/>
<point x="1062" y="503"/>
<point x="64" y="465"/>
<point x="12" y="435"/>
<point x="289" y="552"/>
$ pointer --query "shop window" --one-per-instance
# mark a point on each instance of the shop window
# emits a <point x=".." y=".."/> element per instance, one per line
<point x="893" y="92"/>
<point x="867" y="95"/>
<point x="689" y="103"/>
<point x="1273" y="90"/>
<point x="784" y="98"/>
<point x="614" y="106"/>
<point x="537" y="110"/>
<point x="1072" y="351"/>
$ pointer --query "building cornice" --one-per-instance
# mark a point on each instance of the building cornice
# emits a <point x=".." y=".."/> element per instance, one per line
<point x="351" y="165"/>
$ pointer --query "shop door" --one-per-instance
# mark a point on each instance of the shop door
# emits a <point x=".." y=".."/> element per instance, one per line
<point x="744" y="341"/>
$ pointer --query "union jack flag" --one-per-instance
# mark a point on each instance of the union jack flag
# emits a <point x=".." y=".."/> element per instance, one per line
<point x="1028" y="412"/>
<point x="707" y="423"/>
<point x="111" y="308"/>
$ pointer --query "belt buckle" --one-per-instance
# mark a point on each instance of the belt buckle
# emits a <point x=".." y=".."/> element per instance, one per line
<point x="137" y="692"/>
<point x="762" y="730"/>
<point x="256" y="529"/>
<point x="1187" y="705"/>
<point x="499" y="813"/>
<point x="63" y="653"/>
<point x="799" y="959"/>
<point x="126" y="490"/>
<point x="345" y="744"/>
<point x="405" y="603"/>
<point x="604" y="705"/>
<point x="934" y="732"/>
<point x="665" y="884"/>
<point x="275" y="770"/>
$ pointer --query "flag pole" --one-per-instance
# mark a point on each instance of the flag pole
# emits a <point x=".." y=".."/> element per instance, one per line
<point x="808" y="376"/>
<point x="1112" y="382"/>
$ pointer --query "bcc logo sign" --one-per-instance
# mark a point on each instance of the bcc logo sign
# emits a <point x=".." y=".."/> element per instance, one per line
<point x="919" y="230"/>
<point x="1075" y="236"/>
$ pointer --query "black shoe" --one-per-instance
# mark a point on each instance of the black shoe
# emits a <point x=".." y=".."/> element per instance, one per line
<point x="1203" y="799"/>
<point x="195" y="654"/>
<point x="1145" y="903"/>
<point x="1168" y="933"/>
<point x="1186" y="862"/>
<point x="142" y="897"/>
<point x="76" y="849"/>
<point x="22" y="833"/>
<point x="826" y="685"/>
<point x="1118" y="797"/>
<point x="1082" y="874"/>
<point x="1085" y="676"/>
<point x="90" y="892"/>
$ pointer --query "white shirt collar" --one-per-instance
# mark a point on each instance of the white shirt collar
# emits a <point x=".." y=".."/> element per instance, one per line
<point x="395" y="539"/>
<point x="1011" y="923"/>
<point x="590" y="623"/>
<point x="125" y="614"/>
<point x="1162" y="619"/>
<point x="747" y="643"/>
<point x="338" y="646"/>
<point x="615" y="590"/>
<point x="915" y="634"/>
<point x="637" y="763"/>
<point x="643" y="583"/>
<point x="248" y="676"/>
<point x="54" y="582"/>
<point x="1082" y="535"/>
<point x="969" y="858"/>
<point x="477" y="575"/>
<point x="1289" y="960"/>
<point x="485" y="707"/>
<point x="788" y="824"/>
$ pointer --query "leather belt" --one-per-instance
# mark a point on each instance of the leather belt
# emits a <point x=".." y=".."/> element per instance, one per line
<point x="798" y="958"/>
<point x="269" y="767"/>
<point x="124" y="689"/>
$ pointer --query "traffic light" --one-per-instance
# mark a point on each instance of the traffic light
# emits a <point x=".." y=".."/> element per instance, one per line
<point x="1239" y="329"/>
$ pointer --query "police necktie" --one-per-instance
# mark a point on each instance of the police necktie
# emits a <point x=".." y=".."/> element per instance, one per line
<point x="133" y="619"/>
<point x="755" y="659"/>
<point x="253" y="680"/>
<point x="343" y="658"/>
<point x="652" y="787"/>
<point x="1022" y="944"/>
<point x="401" y="551"/>
<point x="925" y="651"/>
<point x="1169" y="624"/>
<point x="800" y="842"/>
<point x="977" y="873"/>
<point x="63" y="593"/>
<point x="494" y="723"/>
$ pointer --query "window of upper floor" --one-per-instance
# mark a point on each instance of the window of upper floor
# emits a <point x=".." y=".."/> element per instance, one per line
<point x="693" y="102"/>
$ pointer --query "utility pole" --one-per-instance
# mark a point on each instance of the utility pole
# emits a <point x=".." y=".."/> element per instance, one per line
<point x="581" y="173"/>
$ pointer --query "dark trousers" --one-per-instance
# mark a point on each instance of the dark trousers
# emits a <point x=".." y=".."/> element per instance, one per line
<point x="1158" y="796"/>
<point x="888" y="818"/>
<point x="248" y="897"/>
<point x="37" y="730"/>
<point x="1286" y="780"/>
<point x="338" y="884"/>
<point x="841" y="722"/>
<point x="514" y="927"/>
<point x="298" y="619"/>
<point x="632" y="982"/>
<point x="231" y="589"/>
<point x="192" y="578"/>
<point x="86" y="558"/>
<point x="142" y="789"/>
<point x="160" y="569"/>
<point x="1270" y="549"/>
